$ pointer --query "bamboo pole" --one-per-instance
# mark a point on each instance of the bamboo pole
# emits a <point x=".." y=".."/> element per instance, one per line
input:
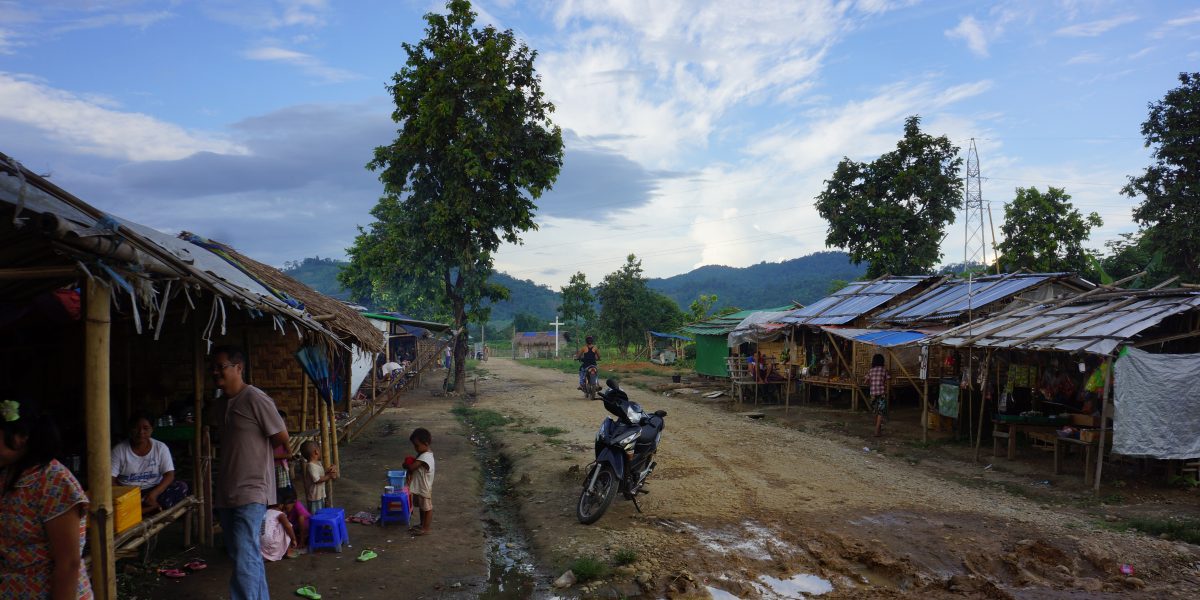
<point x="854" y="391"/>
<point x="1105" y="415"/>
<point x="983" y="404"/>
<point x="303" y="402"/>
<point x="24" y="273"/>
<point x="925" y="411"/>
<point x="97" y="408"/>
<point x="331" y="449"/>
<point x="197" y="419"/>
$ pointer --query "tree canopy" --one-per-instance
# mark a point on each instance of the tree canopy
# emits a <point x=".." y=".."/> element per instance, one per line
<point x="892" y="212"/>
<point x="1043" y="232"/>
<point x="628" y="308"/>
<point x="1170" y="186"/>
<point x="475" y="148"/>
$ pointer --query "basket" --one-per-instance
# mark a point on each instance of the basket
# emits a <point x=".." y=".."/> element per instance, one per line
<point x="396" y="479"/>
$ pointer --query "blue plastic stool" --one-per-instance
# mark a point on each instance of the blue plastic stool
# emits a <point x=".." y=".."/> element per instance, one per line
<point x="327" y="529"/>
<point x="394" y="508"/>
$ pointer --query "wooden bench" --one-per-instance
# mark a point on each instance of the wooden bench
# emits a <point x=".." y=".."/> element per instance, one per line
<point x="127" y="542"/>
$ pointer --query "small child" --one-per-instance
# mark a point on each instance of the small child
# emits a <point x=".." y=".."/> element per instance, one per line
<point x="297" y="515"/>
<point x="420" y="479"/>
<point x="277" y="538"/>
<point x="315" y="475"/>
<point x="283" y="475"/>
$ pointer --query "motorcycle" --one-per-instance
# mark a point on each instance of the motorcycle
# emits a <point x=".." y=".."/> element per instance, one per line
<point x="591" y="383"/>
<point x="625" y="447"/>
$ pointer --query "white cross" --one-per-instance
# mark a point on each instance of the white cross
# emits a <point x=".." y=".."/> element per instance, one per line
<point x="556" y="324"/>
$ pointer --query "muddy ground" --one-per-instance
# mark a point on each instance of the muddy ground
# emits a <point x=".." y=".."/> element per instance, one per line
<point x="792" y="503"/>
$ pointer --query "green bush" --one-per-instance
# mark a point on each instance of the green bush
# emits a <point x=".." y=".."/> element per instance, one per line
<point x="625" y="556"/>
<point x="587" y="568"/>
<point x="481" y="419"/>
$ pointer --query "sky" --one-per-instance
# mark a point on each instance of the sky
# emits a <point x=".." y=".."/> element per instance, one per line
<point x="697" y="132"/>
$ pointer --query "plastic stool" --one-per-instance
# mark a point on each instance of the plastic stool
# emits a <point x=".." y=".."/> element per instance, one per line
<point x="394" y="508"/>
<point x="327" y="529"/>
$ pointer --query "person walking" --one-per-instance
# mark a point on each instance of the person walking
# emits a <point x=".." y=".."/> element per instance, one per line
<point x="250" y="426"/>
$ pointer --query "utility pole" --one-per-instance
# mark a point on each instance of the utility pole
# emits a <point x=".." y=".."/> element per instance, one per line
<point x="556" y="323"/>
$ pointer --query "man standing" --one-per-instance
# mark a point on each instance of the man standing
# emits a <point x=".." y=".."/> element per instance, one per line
<point x="250" y="426"/>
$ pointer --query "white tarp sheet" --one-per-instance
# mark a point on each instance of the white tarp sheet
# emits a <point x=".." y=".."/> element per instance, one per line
<point x="1157" y="405"/>
<point x="758" y="327"/>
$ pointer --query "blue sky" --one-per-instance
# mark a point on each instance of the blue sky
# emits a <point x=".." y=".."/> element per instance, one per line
<point x="697" y="132"/>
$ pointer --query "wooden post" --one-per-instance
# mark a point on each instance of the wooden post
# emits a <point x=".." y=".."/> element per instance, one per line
<point x="331" y="449"/>
<point x="925" y="409"/>
<point x="1105" y="415"/>
<point x="206" y="482"/>
<point x="97" y="408"/>
<point x="303" y="402"/>
<point x="197" y="421"/>
<point x="983" y="405"/>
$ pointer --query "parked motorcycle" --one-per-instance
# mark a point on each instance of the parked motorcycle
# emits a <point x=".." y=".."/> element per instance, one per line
<point x="591" y="381"/>
<point x="625" y="447"/>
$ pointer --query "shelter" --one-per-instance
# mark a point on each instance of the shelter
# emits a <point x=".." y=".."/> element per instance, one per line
<point x="538" y="344"/>
<point x="712" y="339"/>
<point x="665" y="348"/>
<point x="954" y="301"/>
<point x="102" y="315"/>
<point x="1098" y="323"/>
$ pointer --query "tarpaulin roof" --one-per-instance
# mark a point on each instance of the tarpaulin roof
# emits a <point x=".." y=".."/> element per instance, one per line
<point x="853" y="301"/>
<point x="408" y="322"/>
<point x="1096" y="324"/>
<point x="757" y="327"/>
<point x="957" y="297"/>
<point x="670" y="336"/>
<point x="723" y="324"/>
<point x="878" y="337"/>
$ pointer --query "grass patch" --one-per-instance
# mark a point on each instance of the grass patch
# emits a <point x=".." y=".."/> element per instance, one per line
<point x="551" y="431"/>
<point x="480" y="418"/>
<point x="1183" y="530"/>
<point x="587" y="568"/>
<point x="625" y="556"/>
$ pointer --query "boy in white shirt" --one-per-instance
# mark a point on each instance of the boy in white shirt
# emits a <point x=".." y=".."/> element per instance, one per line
<point x="420" y="479"/>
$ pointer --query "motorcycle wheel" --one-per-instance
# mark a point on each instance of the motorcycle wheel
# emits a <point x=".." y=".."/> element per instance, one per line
<point x="593" y="502"/>
<point x="589" y="390"/>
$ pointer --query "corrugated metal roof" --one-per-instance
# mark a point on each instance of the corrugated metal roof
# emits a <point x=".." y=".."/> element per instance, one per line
<point x="956" y="297"/>
<point x="853" y="301"/>
<point x="1096" y="327"/>
<point x="723" y="324"/>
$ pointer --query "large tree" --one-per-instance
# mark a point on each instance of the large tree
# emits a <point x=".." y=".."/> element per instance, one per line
<point x="578" y="302"/>
<point x="621" y="296"/>
<point x="1044" y="232"/>
<point x="892" y="212"/>
<point x="1170" y="187"/>
<point x="475" y="148"/>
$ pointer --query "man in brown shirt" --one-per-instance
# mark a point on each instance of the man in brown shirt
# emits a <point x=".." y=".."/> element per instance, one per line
<point x="250" y="426"/>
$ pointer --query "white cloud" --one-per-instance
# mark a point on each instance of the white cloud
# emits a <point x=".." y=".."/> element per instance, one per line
<point x="1085" y="58"/>
<point x="970" y="31"/>
<point x="306" y="62"/>
<point x="87" y="127"/>
<point x="1185" y="20"/>
<point x="138" y="20"/>
<point x="1095" y="28"/>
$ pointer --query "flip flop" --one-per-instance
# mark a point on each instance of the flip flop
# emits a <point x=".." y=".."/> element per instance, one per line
<point x="309" y="592"/>
<point x="366" y="555"/>
<point x="196" y="565"/>
<point x="172" y="573"/>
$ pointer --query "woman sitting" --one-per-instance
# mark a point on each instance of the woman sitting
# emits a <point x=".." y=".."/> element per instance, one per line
<point x="43" y="511"/>
<point x="145" y="462"/>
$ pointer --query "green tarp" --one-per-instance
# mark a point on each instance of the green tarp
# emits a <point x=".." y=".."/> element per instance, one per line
<point x="710" y="355"/>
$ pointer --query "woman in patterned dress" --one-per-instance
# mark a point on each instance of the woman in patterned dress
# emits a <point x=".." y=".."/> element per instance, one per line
<point x="43" y="512"/>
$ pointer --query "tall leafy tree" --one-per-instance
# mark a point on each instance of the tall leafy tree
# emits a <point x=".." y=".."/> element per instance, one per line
<point x="622" y="295"/>
<point x="474" y="150"/>
<point x="1044" y="232"/>
<point x="1170" y="187"/>
<point x="892" y="212"/>
<point x="701" y="306"/>
<point x="578" y="303"/>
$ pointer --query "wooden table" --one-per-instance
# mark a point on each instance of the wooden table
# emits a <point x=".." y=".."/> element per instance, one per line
<point x="1062" y="445"/>
<point x="1014" y="428"/>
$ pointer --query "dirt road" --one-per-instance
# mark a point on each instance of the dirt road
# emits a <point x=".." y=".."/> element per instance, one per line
<point x="753" y="509"/>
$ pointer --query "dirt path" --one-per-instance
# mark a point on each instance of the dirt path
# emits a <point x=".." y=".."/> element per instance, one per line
<point x="736" y="502"/>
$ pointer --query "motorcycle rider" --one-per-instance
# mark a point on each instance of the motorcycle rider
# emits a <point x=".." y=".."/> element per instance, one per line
<point x="589" y="355"/>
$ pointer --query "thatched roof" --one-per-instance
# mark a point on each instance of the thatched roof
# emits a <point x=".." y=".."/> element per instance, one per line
<point x="344" y="321"/>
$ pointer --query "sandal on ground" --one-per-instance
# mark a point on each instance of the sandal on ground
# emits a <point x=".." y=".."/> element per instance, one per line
<point x="309" y="592"/>
<point x="172" y="573"/>
<point x="366" y="555"/>
<point x="196" y="565"/>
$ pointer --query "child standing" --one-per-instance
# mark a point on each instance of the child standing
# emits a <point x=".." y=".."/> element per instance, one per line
<point x="315" y="475"/>
<point x="420" y="479"/>
<point x="277" y="538"/>
<point x="877" y="379"/>
<point x="283" y="475"/>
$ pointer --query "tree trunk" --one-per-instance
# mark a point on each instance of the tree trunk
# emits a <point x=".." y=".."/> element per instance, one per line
<point x="459" y="342"/>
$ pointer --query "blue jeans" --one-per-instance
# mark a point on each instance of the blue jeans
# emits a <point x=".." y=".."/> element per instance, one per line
<point x="242" y="526"/>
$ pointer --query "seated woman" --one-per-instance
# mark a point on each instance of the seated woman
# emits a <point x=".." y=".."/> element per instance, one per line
<point x="145" y="462"/>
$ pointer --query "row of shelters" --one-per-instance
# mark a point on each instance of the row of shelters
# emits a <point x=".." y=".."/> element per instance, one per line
<point x="985" y="353"/>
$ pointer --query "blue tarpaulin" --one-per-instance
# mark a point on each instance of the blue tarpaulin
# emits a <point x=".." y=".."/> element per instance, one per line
<point x="878" y="337"/>
<point x="670" y="336"/>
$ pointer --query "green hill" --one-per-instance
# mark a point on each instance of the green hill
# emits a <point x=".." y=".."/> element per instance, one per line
<point x="803" y="280"/>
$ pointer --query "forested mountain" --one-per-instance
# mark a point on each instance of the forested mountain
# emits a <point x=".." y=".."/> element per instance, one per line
<point x="766" y="284"/>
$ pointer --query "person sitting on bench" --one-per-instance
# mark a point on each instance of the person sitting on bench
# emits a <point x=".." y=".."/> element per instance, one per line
<point x="145" y="462"/>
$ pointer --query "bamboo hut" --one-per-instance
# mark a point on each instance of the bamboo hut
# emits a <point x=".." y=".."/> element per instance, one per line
<point x="538" y="344"/>
<point x="102" y="315"/>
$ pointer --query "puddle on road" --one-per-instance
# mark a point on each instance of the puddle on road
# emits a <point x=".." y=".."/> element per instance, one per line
<point x="796" y="586"/>
<point x="511" y="571"/>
